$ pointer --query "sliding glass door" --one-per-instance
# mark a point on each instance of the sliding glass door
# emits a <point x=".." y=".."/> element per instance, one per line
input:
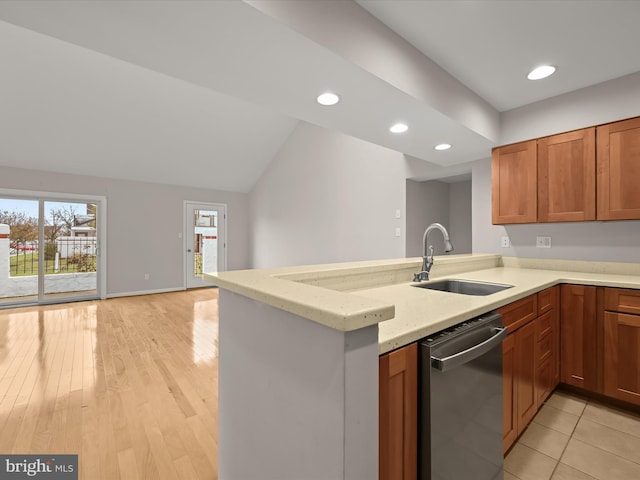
<point x="49" y="250"/>
<point x="19" y="222"/>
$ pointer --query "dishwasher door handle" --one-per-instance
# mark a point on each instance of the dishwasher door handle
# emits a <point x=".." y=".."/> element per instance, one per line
<point x="452" y="361"/>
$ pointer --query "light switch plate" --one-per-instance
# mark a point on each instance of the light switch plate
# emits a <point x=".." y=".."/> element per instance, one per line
<point x="543" y="242"/>
<point x="398" y="213"/>
<point x="398" y="232"/>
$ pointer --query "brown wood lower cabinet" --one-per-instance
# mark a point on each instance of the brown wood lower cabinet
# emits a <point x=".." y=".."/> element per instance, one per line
<point x="527" y="404"/>
<point x="547" y="356"/>
<point x="578" y="331"/>
<point x="509" y="392"/>
<point x="622" y="345"/>
<point x="398" y="414"/>
<point x="529" y="359"/>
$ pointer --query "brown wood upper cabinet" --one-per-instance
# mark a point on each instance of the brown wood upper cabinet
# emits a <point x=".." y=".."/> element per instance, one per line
<point x="513" y="183"/>
<point x="567" y="177"/>
<point x="552" y="179"/>
<point x="583" y="175"/>
<point x="619" y="170"/>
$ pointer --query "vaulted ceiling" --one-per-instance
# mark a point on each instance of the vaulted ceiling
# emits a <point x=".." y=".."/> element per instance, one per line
<point x="204" y="93"/>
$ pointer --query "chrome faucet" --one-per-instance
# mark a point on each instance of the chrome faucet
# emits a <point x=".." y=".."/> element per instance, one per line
<point x="427" y="258"/>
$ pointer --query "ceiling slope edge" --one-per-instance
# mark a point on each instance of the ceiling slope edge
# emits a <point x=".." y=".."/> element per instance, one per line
<point x="350" y="31"/>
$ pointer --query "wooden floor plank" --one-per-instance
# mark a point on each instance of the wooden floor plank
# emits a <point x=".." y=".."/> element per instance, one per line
<point x="129" y="384"/>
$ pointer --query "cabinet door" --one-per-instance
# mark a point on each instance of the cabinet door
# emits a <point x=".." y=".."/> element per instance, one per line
<point x="398" y="414"/>
<point x="509" y="394"/>
<point x="619" y="170"/>
<point x="513" y="183"/>
<point x="622" y="356"/>
<point x="578" y="357"/>
<point x="526" y="351"/>
<point x="567" y="177"/>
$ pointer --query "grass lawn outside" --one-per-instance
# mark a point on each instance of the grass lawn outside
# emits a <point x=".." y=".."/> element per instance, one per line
<point x="25" y="264"/>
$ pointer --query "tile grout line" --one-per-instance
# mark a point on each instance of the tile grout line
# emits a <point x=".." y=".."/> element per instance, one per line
<point x="568" y="441"/>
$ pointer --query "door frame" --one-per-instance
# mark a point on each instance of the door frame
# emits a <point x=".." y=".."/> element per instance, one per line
<point x="186" y="225"/>
<point x="101" y="202"/>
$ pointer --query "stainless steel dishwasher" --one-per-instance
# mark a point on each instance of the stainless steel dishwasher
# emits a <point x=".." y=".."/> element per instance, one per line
<point x="460" y="409"/>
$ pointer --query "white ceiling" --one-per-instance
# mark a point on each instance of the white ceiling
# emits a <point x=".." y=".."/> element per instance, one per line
<point x="205" y="93"/>
<point x="490" y="45"/>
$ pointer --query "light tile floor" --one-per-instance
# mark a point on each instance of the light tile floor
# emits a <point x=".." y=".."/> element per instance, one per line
<point x="572" y="438"/>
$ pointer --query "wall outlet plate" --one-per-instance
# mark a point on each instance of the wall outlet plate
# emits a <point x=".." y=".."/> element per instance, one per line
<point x="505" y="242"/>
<point x="398" y="232"/>
<point x="543" y="242"/>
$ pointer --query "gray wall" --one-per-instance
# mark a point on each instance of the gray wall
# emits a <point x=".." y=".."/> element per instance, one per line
<point x="604" y="241"/>
<point x="597" y="241"/>
<point x="144" y="220"/>
<point x="603" y="103"/>
<point x="427" y="202"/>
<point x="460" y="216"/>
<point x="445" y="203"/>
<point x="328" y="197"/>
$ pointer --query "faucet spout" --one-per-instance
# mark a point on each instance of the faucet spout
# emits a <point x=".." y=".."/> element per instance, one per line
<point x="427" y="252"/>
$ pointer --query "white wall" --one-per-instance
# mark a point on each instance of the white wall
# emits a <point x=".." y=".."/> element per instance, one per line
<point x="328" y="197"/>
<point x="460" y="216"/>
<point x="144" y="220"/>
<point x="597" y="241"/>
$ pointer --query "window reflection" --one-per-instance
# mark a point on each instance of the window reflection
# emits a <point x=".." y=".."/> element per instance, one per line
<point x="205" y="331"/>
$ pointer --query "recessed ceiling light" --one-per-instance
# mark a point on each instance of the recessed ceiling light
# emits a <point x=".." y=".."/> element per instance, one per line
<point x="442" y="146"/>
<point x="328" y="98"/>
<point x="398" y="128"/>
<point x="543" y="71"/>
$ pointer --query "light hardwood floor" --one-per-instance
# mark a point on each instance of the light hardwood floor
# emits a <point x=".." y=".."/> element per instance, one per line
<point x="129" y="384"/>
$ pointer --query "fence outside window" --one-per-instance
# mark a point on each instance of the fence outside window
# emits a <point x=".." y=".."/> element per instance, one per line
<point x="66" y="255"/>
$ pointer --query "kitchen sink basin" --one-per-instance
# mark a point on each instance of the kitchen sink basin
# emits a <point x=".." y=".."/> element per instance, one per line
<point x="464" y="287"/>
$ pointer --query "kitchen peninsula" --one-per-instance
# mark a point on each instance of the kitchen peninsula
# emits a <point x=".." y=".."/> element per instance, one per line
<point x="299" y="347"/>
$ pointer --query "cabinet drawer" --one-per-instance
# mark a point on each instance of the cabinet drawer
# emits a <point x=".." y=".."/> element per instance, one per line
<point x="622" y="300"/>
<point x="544" y="325"/>
<point x="548" y="299"/>
<point x="545" y="346"/>
<point x="519" y="313"/>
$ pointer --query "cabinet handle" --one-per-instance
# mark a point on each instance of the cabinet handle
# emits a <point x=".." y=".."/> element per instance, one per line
<point x="464" y="356"/>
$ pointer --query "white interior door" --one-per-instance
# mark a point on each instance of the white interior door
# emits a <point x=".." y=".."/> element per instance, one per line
<point x="205" y="241"/>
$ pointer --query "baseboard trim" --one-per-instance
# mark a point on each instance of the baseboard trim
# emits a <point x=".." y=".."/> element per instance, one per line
<point x="145" y="292"/>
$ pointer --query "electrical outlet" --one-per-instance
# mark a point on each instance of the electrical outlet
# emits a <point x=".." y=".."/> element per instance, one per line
<point x="398" y="213"/>
<point x="146" y="276"/>
<point x="504" y="242"/>
<point x="543" y="242"/>
<point x="397" y="232"/>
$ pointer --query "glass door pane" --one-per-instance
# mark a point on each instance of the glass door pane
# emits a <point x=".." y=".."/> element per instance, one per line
<point x="19" y="219"/>
<point x="205" y="242"/>
<point x="70" y="250"/>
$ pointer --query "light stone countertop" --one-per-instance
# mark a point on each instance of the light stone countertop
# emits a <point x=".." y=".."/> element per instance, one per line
<point x="348" y="296"/>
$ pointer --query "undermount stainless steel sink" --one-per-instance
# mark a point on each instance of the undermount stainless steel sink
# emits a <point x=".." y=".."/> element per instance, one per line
<point x="464" y="287"/>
